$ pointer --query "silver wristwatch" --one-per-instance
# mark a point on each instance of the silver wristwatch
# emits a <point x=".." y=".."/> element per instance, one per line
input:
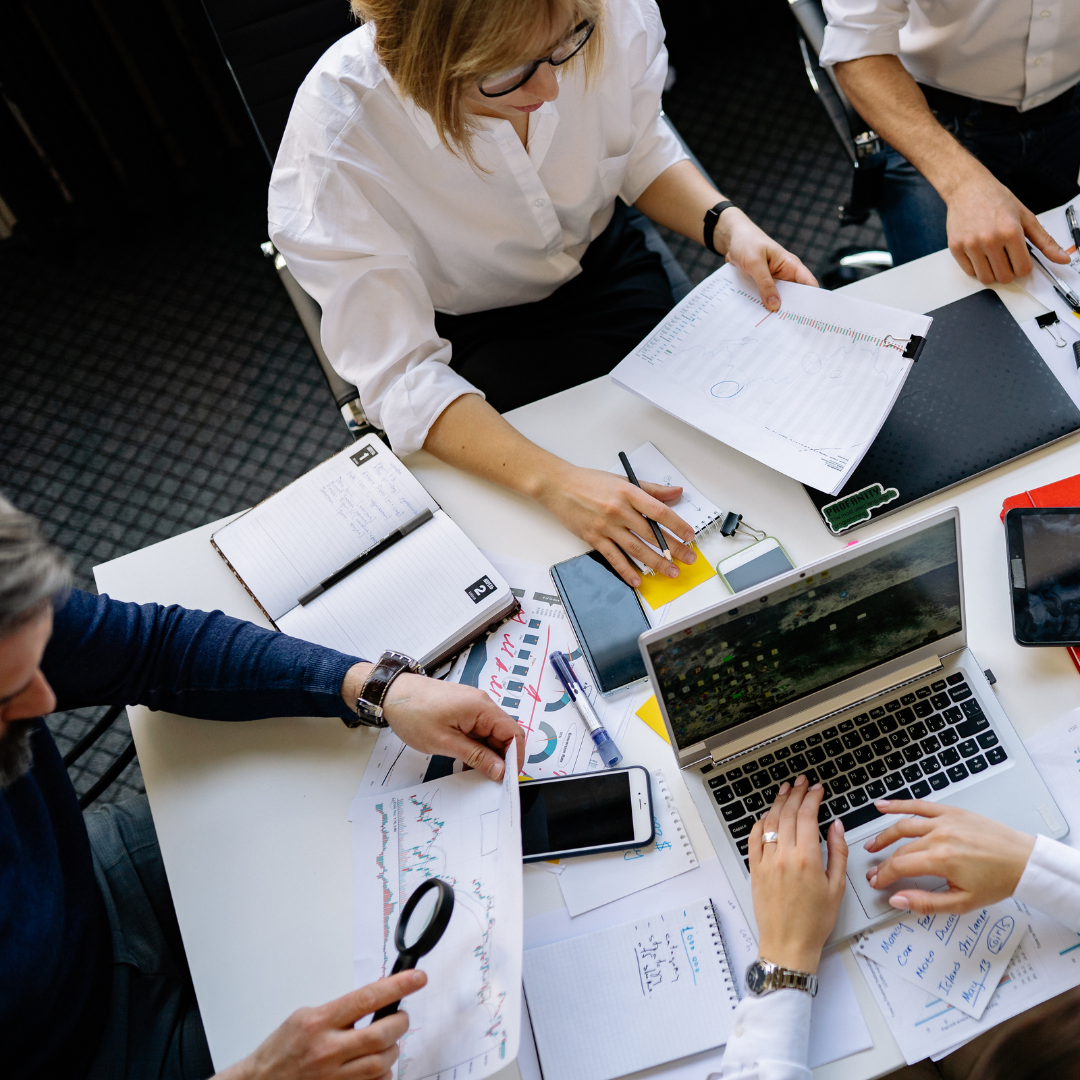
<point x="763" y="977"/>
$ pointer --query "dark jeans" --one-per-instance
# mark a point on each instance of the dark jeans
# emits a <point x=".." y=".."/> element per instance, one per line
<point x="154" y="1030"/>
<point x="1036" y="155"/>
<point x="581" y="331"/>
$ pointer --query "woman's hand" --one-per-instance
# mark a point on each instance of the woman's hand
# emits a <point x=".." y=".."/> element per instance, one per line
<point x="796" y="901"/>
<point x="322" y="1044"/>
<point x="981" y="859"/>
<point x="444" y="718"/>
<point x="756" y="254"/>
<point x="608" y="513"/>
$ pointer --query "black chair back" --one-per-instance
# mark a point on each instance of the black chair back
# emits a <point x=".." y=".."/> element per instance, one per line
<point x="270" y="46"/>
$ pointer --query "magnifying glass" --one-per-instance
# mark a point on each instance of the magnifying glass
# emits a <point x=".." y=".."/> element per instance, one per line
<point x="420" y="925"/>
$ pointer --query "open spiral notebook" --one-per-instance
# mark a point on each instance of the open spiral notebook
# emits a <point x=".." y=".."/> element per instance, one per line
<point x="632" y="996"/>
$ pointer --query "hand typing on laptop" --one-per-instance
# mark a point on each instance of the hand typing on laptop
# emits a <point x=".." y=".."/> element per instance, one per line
<point x="796" y="900"/>
<point x="981" y="859"/>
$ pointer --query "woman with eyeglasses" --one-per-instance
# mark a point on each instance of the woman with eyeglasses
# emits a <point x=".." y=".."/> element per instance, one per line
<point x="452" y="190"/>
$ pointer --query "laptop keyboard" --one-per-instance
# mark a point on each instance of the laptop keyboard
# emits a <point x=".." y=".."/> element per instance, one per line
<point x="918" y="743"/>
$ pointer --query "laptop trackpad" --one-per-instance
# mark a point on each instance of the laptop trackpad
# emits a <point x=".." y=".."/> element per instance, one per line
<point x="875" y="902"/>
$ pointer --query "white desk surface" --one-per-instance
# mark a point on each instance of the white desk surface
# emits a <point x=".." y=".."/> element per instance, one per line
<point x="252" y="816"/>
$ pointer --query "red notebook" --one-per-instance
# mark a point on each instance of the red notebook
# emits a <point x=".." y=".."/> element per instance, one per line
<point x="1061" y="493"/>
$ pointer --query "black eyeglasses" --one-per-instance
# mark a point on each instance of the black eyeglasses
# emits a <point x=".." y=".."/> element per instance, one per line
<point x="508" y="81"/>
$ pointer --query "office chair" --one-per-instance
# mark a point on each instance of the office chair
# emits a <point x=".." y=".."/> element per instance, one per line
<point x="87" y="743"/>
<point x="863" y="146"/>
<point x="269" y="50"/>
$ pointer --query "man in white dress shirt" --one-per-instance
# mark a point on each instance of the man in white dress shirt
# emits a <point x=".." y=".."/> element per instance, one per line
<point x="978" y="100"/>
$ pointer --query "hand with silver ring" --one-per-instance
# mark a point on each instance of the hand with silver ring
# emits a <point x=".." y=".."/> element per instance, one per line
<point x="796" y="900"/>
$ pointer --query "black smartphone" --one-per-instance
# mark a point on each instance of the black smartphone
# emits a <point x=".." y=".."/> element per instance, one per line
<point x="607" y="619"/>
<point x="1044" y="574"/>
<point x="606" y="810"/>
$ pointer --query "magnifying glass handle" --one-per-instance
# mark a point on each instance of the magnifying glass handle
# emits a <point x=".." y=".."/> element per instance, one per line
<point x="402" y="963"/>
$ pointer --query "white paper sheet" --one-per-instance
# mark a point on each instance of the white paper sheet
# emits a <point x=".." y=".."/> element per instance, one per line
<point x="590" y="881"/>
<point x="958" y="958"/>
<point x="1046" y="962"/>
<point x="837" y="1028"/>
<point x="512" y="668"/>
<point x="804" y="390"/>
<point x="466" y="830"/>
<point x="656" y="988"/>
<point x="1056" y="753"/>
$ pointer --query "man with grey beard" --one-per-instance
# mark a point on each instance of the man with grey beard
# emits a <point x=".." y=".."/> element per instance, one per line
<point x="93" y="978"/>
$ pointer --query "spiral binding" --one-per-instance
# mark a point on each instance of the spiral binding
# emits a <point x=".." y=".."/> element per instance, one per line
<point x="679" y="828"/>
<point x="722" y="952"/>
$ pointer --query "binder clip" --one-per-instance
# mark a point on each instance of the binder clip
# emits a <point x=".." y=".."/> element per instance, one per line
<point x="733" y="522"/>
<point x="1045" y="322"/>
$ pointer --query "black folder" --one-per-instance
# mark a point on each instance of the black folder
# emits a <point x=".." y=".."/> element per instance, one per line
<point x="978" y="396"/>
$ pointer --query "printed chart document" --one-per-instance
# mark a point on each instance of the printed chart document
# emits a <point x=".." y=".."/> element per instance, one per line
<point x="804" y="390"/>
<point x="958" y="958"/>
<point x="427" y="596"/>
<point x="466" y="830"/>
<point x="631" y="996"/>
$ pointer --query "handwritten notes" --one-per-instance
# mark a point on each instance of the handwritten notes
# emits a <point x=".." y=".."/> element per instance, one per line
<point x="632" y="996"/>
<point x="958" y="958"/>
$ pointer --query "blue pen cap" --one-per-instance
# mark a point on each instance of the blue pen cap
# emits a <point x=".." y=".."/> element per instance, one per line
<point x="609" y="753"/>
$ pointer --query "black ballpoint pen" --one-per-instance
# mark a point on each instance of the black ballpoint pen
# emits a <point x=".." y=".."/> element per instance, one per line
<point x="366" y="556"/>
<point x="661" y="543"/>
<point x="1060" y="287"/>
<point x="1074" y="226"/>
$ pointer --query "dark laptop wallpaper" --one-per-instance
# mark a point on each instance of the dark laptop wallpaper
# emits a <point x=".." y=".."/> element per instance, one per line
<point x="810" y="635"/>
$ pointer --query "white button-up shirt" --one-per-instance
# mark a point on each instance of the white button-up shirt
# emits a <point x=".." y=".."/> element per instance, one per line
<point x="384" y="226"/>
<point x="1010" y="52"/>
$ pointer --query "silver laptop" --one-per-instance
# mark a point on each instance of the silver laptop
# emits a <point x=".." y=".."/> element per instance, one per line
<point x="854" y="670"/>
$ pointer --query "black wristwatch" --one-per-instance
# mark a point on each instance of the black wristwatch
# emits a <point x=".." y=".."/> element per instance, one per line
<point x="763" y="977"/>
<point x="369" y="705"/>
<point x="711" y="218"/>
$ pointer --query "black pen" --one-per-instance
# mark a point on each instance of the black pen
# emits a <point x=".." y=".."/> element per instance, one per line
<point x="367" y="556"/>
<point x="1060" y="287"/>
<point x="1074" y="226"/>
<point x="661" y="543"/>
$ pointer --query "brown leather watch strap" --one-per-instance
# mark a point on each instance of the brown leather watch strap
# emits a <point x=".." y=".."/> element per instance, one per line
<point x="369" y="704"/>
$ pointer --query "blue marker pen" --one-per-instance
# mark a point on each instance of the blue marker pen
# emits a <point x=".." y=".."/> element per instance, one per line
<point x="605" y="744"/>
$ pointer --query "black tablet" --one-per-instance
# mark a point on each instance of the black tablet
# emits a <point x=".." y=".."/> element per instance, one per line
<point x="1044" y="574"/>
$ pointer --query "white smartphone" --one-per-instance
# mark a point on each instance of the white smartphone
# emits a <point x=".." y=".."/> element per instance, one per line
<point x="754" y="564"/>
<point x="606" y="810"/>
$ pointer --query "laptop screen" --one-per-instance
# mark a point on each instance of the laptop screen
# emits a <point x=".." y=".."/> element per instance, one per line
<point x="804" y="637"/>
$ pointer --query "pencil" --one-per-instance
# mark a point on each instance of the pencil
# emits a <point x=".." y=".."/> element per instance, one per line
<point x="661" y="543"/>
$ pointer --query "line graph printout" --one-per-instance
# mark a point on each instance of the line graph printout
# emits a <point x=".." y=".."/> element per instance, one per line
<point x="804" y="390"/>
<point x="464" y="829"/>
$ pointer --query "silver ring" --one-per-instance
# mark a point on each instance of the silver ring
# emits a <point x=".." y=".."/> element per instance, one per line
<point x="770" y="838"/>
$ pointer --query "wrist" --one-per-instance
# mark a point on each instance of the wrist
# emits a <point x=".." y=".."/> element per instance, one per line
<point x="729" y="221"/>
<point x="550" y="480"/>
<point x="353" y="682"/>
<point x="792" y="957"/>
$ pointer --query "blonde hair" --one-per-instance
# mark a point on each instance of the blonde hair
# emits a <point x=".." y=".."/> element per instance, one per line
<point x="435" y="49"/>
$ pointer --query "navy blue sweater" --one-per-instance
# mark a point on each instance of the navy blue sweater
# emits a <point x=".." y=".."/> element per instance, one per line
<point x="55" y="952"/>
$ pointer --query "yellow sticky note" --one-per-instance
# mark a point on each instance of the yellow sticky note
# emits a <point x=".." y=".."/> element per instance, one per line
<point x="650" y="713"/>
<point x="659" y="589"/>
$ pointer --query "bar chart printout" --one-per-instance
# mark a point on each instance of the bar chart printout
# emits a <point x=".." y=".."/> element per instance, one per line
<point x="465" y="829"/>
<point x="804" y="390"/>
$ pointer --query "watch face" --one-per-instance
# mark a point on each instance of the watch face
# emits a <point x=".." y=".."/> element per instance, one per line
<point x="755" y="977"/>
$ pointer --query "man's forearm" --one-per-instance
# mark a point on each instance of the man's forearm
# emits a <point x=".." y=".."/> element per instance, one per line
<point x="890" y="101"/>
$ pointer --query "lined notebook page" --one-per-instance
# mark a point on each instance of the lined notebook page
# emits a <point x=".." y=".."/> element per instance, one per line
<point x="310" y="529"/>
<point x="409" y="598"/>
<point x="631" y="996"/>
